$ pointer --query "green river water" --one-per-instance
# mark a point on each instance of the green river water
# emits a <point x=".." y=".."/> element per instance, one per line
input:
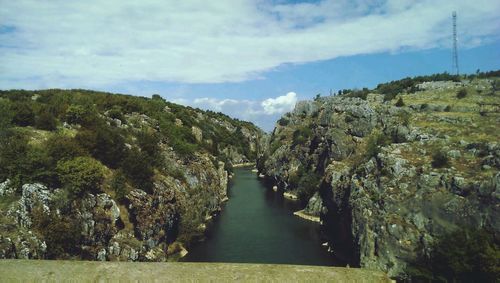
<point x="257" y="225"/>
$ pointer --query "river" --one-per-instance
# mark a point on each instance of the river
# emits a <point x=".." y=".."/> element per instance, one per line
<point x="257" y="225"/>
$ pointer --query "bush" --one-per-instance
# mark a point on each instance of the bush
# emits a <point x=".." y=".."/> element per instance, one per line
<point x="283" y="122"/>
<point x="61" y="147"/>
<point x="103" y="143"/>
<point x="307" y="186"/>
<point x="447" y="108"/>
<point x="80" y="175"/>
<point x="465" y="255"/>
<point x="79" y="114"/>
<point x="75" y="114"/>
<point x="149" y="141"/>
<point x="376" y="140"/>
<point x="119" y="185"/>
<point x="45" y="121"/>
<point x="301" y="135"/>
<point x="6" y="113"/>
<point x="461" y="93"/>
<point x="13" y="149"/>
<point x="23" y="114"/>
<point x="439" y="159"/>
<point x="62" y="234"/>
<point x="138" y="169"/>
<point x="116" y="113"/>
<point x="22" y="162"/>
<point x="400" y="102"/>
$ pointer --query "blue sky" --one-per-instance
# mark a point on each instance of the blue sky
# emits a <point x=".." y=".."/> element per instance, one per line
<point x="250" y="59"/>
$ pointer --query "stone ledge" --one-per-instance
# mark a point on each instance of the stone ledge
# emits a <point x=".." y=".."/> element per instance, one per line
<point x="304" y="215"/>
<point x="93" y="271"/>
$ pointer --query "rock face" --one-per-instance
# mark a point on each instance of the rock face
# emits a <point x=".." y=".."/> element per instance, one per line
<point x="124" y="212"/>
<point x="154" y="219"/>
<point x="382" y="197"/>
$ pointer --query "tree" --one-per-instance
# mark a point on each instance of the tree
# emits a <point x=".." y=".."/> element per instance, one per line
<point x="61" y="233"/>
<point x="80" y="175"/>
<point x="45" y="120"/>
<point x="464" y="255"/>
<point x="119" y="185"/>
<point x="400" y="102"/>
<point x="103" y="143"/>
<point x="136" y="166"/>
<point x="439" y="159"/>
<point x="6" y="113"/>
<point x="461" y="93"/>
<point x="23" y="114"/>
<point x="62" y="147"/>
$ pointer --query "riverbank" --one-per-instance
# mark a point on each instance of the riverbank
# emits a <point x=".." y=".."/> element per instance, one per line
<point x="243" y="165"/>
<point x="93" y="271"/>
<point x="302" y="214"/>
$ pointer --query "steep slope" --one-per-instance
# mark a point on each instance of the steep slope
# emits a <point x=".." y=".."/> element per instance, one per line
<point x="111" y="177"/>
<point x="394" y="170"/>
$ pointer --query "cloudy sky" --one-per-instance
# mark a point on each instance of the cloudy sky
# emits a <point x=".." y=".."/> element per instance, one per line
<point x="250" y="59"/>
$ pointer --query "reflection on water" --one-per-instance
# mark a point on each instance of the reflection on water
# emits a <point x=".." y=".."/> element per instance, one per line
<point x="258" y="226"/>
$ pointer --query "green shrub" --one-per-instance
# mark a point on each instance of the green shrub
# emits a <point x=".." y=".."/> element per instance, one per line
<point x="45" y="121"/>
<point x="439" y="159"/>
<point x="75" y="114"/>
<point x="23" y="114"/>
<point x="119" y="185"/>
<point x="307" y="186"/>
<point x="6" y="113"/>
<point x="24" y="163"/>
<point x="13" y="150"/>
<point x="81" y="175"/>
<point x="465" y="255"/>
<point x="149" y="141"/>
<point x="62" y="234"/>
<point x="283" y="122"/>
<point x="447" y="108"/>
<point x="400" y="102"/>
<point x="376" y="140"/>
<point x="461" y="93"/>
<point x="61" y="147"/>
<point x="301" y="135"/>
<point x="103" y="143"/>
<point x="137" y="167"/>
<point x="116" y="112"/>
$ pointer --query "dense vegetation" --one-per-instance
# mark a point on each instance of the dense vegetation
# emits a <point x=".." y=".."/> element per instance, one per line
<point x="69" y="126"/>
<point x="464" y="255"/>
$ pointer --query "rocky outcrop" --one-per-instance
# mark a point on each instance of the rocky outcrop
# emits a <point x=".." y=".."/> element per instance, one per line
<point x="382" y="197"/>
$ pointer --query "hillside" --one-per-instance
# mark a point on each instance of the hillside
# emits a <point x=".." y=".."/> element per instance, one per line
<point x="405" y="177"/>
<point x="92" y="175"/>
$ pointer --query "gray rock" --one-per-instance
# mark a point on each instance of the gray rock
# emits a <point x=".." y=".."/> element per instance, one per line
<point x="454" y="153"/>
<point x="32" y="195"/>
<point x="6" y="189"/>
<point x="314" y="205"/>
<point x="101" y="255"/>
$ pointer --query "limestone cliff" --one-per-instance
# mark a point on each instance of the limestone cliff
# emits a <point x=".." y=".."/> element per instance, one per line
<point x="388" y="178"/>
<point x="98" y="176"/>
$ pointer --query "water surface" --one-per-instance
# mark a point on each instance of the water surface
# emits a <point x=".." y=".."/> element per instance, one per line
<point x="258" y="226"/>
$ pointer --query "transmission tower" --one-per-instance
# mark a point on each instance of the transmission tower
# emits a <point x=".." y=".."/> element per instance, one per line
<point x="455" y="69"/>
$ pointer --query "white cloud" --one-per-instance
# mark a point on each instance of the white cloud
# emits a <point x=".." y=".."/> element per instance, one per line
<point x="262" y="113"/>
<point x="280" y="104"/>
<point x="95" y="43"/>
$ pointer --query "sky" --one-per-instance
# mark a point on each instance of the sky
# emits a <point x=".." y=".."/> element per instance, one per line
<point x="252" y="60"/>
